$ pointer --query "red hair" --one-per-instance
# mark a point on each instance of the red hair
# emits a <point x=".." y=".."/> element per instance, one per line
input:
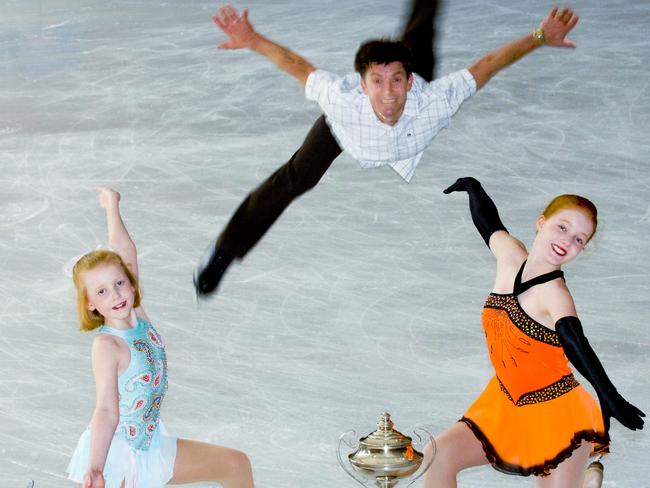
<point x="583" y="204"/>
<point x="91" y="319"/>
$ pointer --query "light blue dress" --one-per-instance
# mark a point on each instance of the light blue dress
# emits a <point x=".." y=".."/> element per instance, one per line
<point x="141" y="453"/>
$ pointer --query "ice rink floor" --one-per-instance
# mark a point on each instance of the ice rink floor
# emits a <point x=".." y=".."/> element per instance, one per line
<point x="366" y="295"/>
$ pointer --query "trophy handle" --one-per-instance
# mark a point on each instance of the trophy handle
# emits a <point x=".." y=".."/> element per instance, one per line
<point x="431" y="441"/>
<point x="343" y="439"/>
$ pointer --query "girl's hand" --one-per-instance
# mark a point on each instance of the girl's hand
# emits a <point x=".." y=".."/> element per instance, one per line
<point x="94" y="478"/>
<point x="107" y="197"/>
<point x="467" y="184"/>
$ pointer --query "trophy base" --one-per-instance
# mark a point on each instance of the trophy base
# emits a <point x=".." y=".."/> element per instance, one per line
<point x="386" y="481"/>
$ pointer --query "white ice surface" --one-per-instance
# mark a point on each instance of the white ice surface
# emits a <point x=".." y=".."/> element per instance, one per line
<point x="366" y="295"/>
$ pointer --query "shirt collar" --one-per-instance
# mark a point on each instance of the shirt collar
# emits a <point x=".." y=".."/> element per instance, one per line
<point x="411" y="108"/>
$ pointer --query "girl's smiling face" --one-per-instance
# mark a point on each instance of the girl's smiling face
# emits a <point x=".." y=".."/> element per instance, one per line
<point x="110" y="293"/>
<point x="564" y="234"/>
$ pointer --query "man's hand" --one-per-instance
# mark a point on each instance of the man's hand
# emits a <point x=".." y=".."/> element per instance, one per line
<point x="557" y="25"/>
<point x="242" y="35"/>
<point x="237" y="27"/>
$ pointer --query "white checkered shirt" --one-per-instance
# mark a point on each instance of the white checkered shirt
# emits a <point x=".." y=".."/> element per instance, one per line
<point x="429" y="108"/>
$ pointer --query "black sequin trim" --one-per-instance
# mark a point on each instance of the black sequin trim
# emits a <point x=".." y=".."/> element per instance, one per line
<point x="550" y="392"/>
<point x="600" y="440"/>
<point x="521" y="319"/>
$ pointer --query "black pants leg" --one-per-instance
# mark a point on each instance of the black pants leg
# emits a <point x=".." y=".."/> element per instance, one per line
<point x="419" y="35"/>
<point x="266" y="203"/>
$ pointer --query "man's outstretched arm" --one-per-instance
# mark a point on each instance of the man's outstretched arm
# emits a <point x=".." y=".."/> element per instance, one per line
<point x="554" y="29"/>
<point x="241" y="34"/>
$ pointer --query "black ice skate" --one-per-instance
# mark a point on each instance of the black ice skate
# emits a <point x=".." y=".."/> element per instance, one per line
<point x="210" y="271"/>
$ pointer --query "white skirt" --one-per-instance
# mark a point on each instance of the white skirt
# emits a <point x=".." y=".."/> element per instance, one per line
<point x="138" y="469"/>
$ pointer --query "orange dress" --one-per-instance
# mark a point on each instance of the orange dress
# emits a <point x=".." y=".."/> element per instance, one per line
<point x="533" y="413"/>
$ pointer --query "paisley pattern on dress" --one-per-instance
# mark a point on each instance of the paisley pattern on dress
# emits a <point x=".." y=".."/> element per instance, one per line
<point x="142" y="385"/>
<point x="143" y="378"/>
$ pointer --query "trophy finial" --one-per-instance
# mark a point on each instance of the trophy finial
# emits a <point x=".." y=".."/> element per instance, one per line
<point x="385" y="423"/>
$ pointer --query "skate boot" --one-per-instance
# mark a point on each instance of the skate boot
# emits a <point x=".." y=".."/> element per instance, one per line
<point x="594" y="475"/>
<point x="210" y="271"/>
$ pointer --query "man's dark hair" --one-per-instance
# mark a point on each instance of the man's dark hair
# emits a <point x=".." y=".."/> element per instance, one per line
<point x="382" y="51"/>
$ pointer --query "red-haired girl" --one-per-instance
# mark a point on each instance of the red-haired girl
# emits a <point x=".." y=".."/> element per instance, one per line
<point x="533" y="418"/>
<point x="126" y="444"/>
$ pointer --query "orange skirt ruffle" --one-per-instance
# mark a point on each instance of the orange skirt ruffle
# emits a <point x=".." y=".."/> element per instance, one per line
<point x="533" y="439"/>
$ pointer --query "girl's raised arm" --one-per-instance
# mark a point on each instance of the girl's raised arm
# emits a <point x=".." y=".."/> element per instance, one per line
<point x="487" y="221"/>
<point x="118" y="237"/>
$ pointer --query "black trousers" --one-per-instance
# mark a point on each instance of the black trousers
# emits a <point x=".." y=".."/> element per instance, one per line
<point x="261" y="207"/>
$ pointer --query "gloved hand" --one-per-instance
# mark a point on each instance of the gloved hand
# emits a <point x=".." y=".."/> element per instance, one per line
<point x="582" y="356"/>
<point x="466" y="183"/>
<point x="484" y="213"/>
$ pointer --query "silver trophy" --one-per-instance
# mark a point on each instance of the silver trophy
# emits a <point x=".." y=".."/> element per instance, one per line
<point x="385" y="455"/>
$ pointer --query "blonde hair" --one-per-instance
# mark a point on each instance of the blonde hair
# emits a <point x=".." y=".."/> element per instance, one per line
<point x="583" y="204"/>
<point x="91" y="319"/>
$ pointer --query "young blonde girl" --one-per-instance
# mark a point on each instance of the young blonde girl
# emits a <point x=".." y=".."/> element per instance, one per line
<point x="126" y="444"/>
<point x="533" y="418"/>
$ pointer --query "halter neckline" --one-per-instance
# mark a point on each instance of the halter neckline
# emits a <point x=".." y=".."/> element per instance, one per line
<point x="520" y="287"/>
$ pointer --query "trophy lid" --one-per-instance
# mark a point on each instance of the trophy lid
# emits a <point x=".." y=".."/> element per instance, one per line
<point x="385" y="436"/>
<point x="385" y="455"/>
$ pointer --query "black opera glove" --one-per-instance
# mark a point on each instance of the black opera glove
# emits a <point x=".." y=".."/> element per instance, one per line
<point x="582" y="356"/>
<point x="484" y="213"/>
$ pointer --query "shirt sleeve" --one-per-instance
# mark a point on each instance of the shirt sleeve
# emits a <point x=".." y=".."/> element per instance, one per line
<point x="455" y="88"/>
<point x="318" y="83"/>
<point x="329" y="90"/>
